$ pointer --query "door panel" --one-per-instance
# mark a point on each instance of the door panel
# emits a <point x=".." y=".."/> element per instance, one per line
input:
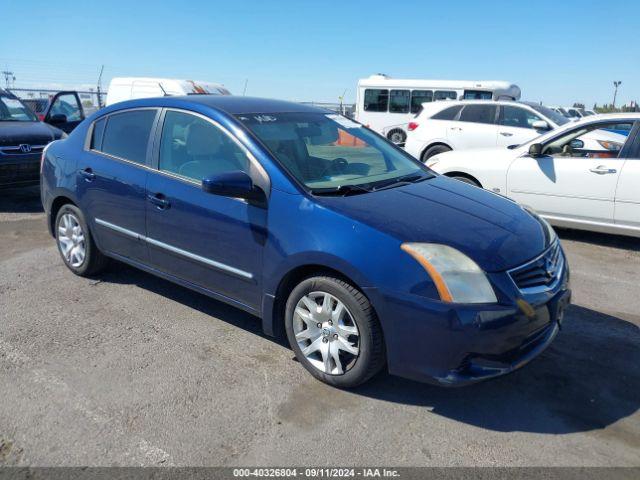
<point x="112" y="195"/>
<point x="627" y="206"/>
<point x="565" y="186"/>
<point x="65" y="111"/>
<point x="476" y="127"/>
<point x="212" y="241"/>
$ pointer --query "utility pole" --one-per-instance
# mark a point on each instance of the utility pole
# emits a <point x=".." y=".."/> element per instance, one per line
<point x="98" y="87"/>
<point x="616" y="84"/>
<point x="8" y="76"/>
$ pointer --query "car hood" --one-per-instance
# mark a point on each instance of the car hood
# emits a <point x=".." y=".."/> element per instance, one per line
<point x="31" y="133"/>
<point x="492" y="230"/>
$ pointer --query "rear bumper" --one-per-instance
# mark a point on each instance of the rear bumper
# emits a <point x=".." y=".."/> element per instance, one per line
<point x="19" y="170"/>
<point x="455" y="345"/>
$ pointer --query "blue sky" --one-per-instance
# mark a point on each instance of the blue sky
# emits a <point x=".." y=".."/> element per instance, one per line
<point x="558" y="51"/>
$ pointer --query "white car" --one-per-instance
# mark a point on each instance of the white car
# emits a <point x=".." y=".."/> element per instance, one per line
<point x="556" y="175"/>
<point x="461" y="125"/>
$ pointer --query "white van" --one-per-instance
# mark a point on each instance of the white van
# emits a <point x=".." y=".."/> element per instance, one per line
<point x="128" y="88"/>
<point x="387" y="104"/>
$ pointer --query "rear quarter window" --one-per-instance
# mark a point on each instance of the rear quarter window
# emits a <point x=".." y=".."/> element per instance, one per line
<point x="98" y="133"/>
<point x="448" y="113"/>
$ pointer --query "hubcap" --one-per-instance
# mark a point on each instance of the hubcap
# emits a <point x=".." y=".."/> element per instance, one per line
<point x="71" y="240"/>
<point x="326" y="333"/>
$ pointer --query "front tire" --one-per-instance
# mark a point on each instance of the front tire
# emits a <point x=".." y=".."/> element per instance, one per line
<point x="334" y="332"/>
<point x="75" y="243"/>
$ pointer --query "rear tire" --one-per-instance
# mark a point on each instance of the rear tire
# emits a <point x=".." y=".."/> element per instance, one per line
<point x="397" y="136"/>
<point x="75" y="243"/>
<point x="336" y="326"/>
<point x="434" y="150"/>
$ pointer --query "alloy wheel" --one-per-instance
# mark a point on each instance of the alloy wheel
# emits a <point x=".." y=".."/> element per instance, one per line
<point x="326" y="333"/>
<point x="71" y="240"/>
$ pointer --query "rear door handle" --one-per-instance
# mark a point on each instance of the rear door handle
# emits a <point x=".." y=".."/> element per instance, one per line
<point x="602" y="170"/>
<point x="506" y="134"/>
<point x="88" y="174"/>
<point x="159" y="201"/>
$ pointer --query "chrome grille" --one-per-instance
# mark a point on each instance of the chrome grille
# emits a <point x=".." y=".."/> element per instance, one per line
<point x="17" y="150"/>
<point x="540" y="273"/>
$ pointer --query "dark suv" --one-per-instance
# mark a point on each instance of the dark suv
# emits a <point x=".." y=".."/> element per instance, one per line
<point x="22" y="140"/>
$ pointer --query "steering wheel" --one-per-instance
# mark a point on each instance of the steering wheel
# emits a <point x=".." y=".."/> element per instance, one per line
<point x="338" y="165"/>
<point x="186" y="166"/>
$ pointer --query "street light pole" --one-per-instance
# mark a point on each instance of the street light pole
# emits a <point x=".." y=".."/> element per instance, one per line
<point x="616" y="84"/>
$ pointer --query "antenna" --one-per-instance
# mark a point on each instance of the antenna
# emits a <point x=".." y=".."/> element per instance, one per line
<point x="163" y="90"/>
<point x="98" y="87"/>
<point x="244" y="91"/>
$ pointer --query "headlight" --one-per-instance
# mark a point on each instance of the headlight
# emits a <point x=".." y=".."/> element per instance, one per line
<point x="457" y="277"/>
<point x="611" y="146"/>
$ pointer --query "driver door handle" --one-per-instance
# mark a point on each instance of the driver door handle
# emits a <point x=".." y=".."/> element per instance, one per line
<point x="506" y="134"/>
<point x="87" y="174"/>
<point x="159" y="201"/>
<point x="602" y="170"/>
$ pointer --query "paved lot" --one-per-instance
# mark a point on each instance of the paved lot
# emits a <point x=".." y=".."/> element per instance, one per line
<point x="129" y="370"/>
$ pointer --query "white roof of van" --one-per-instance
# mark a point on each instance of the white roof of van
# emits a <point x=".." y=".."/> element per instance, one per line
<point x="174" y="86"/>
<point x="379" y="80"/>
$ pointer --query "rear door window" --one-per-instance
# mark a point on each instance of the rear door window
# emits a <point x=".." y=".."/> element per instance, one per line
<point x="376" y="100"/>
<point x="479" y="114"/>
<point x="126" y="135"/>
<point x="477" y="95"/>
<point x="511" y="116"/>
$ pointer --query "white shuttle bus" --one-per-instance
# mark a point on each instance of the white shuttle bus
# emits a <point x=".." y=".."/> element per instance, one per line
<point x="387" y="104"/>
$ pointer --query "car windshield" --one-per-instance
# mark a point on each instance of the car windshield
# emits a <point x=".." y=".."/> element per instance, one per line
<point x="556" y="117"/>
<point x="13" y="110"/>
<point x="329" y="152"/>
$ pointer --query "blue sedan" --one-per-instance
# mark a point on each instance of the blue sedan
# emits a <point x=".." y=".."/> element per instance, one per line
<point x="363" y="257"/>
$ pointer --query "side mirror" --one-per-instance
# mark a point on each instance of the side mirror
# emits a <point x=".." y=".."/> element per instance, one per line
<point x="535" y="150"/>
<point x="576" y="144"/>
<point x="236" y="184"/>
<point x="57" y="119"/>
<point x="540" y="125"/>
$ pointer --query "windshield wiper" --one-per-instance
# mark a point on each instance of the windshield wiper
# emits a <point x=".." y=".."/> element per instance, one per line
<point x="404" y="180"/>
<point x="341" y="190"/>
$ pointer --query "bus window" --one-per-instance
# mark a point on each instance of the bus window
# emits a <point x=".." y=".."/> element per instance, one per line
<point x="376" y="100"/>
<point x="418" y="97"/>
<point x="445" y="95"/>
<point x="399" y="101"/>
<point x="477" y="95"/>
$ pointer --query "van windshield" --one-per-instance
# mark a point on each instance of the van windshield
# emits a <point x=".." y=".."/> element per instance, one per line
<point x="329" y="152"/>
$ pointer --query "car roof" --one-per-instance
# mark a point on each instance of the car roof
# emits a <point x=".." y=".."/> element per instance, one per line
<point x="228" y="103"/>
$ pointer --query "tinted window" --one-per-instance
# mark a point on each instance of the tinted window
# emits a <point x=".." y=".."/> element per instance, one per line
<point x="477" y="95"/>
<point x="195" y="148"/>
<point x="448" y="113"/>
<point x="399" y="101"/>
<point x="98" y="133"/>
<point x="549" y="113"/>
<point x="444" y="95"/>
<point x="376" y="100"/>
<point x="511" y="116"/>
<point x="418" y="97"/>
<point x="478" y="113"/>
<point x="127" y="134"/>
<point x="13" y="110"/>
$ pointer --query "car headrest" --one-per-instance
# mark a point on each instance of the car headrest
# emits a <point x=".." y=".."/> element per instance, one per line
<point x="202" y="140"/>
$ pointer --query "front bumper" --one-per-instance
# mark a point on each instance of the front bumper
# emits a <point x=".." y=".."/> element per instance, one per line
<point x="456" y="344"/>
<point x="19" y="170"/>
